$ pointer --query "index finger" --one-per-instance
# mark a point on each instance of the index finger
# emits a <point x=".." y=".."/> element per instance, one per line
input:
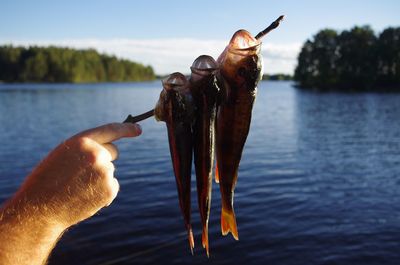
<point x="112" y="132"/>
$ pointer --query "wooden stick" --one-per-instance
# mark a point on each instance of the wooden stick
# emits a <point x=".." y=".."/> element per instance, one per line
<point x="148" y="114"/>
<point x="141" y="117"/>
<point x="273" y="25"/>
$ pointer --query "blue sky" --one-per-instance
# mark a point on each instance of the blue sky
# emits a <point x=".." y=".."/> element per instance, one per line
<point x="170" y="34"/>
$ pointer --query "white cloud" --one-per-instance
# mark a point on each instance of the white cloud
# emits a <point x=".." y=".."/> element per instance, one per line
<point x="173" y="54"/>
<point x="280" y="58"/>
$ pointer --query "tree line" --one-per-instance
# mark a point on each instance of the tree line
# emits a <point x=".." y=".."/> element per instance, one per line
<point x="351" y="60"/>
<point x="55" y="64"/>
<point x="277" y="77"/>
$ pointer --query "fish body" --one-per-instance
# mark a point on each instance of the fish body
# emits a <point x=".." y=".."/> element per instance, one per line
<point x="175" y="108"/>
<point x="204" y="90"/>
<point x="240" y="70"/>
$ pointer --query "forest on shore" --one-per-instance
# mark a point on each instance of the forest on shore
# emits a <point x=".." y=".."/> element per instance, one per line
<point x="351" y="60"/>
<point x="66" y="65"/>
<point x="277" y="77"/>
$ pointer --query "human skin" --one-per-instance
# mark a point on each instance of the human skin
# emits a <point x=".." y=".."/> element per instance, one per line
<point x="71" y="184"/>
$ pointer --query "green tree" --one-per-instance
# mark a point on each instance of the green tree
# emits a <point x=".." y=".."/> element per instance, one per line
<point x="353" y="60"/>
<point x="115" y="70"/>
<point x="389" y="57"/>
<point x="55" y="64"/>
<point x="357" y="58"/>
<point x="35" y="66"/>
<point x="317" y="61"/>
<point x="9" y="63"/>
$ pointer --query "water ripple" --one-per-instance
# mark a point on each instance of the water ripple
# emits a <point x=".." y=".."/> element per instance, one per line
<point x="319" y="181"/>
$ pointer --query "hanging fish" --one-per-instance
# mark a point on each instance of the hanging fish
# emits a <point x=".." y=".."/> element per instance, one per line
<point x="240" y="70"/>
<point x="204" y="90"/>
<point x="175" y="107"/>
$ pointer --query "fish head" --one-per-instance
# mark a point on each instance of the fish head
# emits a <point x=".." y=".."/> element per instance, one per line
<point x="242" y="40"/>
<point x="203" y="66"/>
<point x="174" y="102"/>
<point x="241" y="61"/>
<point x="174" y="81"/>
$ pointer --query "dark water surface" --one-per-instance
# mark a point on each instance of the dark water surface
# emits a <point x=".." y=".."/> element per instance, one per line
<point x="319" y="182"/>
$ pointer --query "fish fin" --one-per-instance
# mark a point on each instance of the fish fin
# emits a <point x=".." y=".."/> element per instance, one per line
<point x="204" y="240"/>
<point x="191" y="239"/>
<point x="216" y="173"/>
<point x="228" y="223"/>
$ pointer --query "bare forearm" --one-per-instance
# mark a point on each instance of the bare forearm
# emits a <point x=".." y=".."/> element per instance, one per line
<point x="70" y="185"/>
<point x="26" y="236"/>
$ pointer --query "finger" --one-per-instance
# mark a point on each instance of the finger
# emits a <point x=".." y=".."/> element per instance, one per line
<point x="102" y="156"/>
<point x="112" y="132"/>
<point x="112" y="149"/>
<point x="114" y="189"/>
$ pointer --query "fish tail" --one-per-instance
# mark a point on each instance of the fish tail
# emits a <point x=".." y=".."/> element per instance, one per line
<point x="204" y="240"/>
<point x="191" y="239"/>
<point x="216" y="173"/>
<point x="228" y="222"/>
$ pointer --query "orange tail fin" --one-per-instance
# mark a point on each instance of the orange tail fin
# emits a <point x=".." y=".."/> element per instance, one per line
<point x="228" y="223"/>
<point x="191" y="240"/>
<point x="216" y="173"/>
<point x="204" y="240"/>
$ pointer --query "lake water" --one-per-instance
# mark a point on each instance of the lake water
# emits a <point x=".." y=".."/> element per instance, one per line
<point x="319" y="181"/>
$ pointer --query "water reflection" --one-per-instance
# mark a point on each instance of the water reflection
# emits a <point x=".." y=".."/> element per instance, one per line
<point x="319" y="180"/>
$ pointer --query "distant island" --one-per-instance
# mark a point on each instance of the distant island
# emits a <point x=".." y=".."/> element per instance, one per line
<point x="277" y="77"/>
<point x="55" y="64"/>
<point x="351" y="60"/>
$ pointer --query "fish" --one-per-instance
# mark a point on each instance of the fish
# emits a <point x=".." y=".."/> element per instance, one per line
<point x="204" y="89"/>
<point x="176" y="108"/>
<point x="240" y="70"/>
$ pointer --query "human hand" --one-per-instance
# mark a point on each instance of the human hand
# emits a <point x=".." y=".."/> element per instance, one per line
<point x="77" y="178"/>
<point x="71" y="184"/>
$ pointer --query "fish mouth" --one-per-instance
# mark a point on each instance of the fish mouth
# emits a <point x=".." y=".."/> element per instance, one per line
<point x="203" y="72"/>
<point x="242" y="42"/>
<point x="174" y="81"/>
<point x="246" y="51"/>
<point x="204" y="65"/>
